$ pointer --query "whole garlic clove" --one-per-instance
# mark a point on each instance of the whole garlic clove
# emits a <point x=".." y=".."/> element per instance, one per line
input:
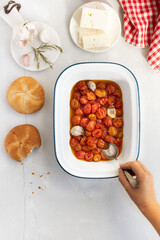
<point x="77" y="131"/>
<point x="45" y="36"/>
<point x="25" y="59"/>
<point x="92" y="86"/>
<point x="111" y="111"/>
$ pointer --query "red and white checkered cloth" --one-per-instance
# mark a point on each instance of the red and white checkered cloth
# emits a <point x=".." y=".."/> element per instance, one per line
<point x="142" y="27"/>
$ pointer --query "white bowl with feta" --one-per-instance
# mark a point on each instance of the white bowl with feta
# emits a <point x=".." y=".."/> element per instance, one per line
<point x="95" y="27"/>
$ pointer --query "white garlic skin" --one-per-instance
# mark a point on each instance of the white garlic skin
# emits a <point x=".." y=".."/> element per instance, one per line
<point x="44" y="36"/>
<point x="92" y="86"/>
<point x="77" y="131"/>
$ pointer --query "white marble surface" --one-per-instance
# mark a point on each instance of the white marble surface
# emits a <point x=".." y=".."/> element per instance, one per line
<point x="70" y="208"/>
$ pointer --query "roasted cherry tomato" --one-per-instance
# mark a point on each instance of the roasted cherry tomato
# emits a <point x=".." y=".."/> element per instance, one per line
<point x="112" y="131"/>
<point x="100" y="143"/>
<point x="117" y="94"/>
<point x="83" y="100"/>
<point x="118" y="142"/>
<point x="97" y="133"/>
<point x="84" y="121"/>
<point x="91" y="125"/>
<point x="104" y="133"/>
<point x="89" y="156"/>
<point x="101" y="113"/>
<point x="92" y="116"/>
<point x="82" y="85"/>
<point x="100" y="93"/>
<point x="103" y="101"/>
<point x="118" y="104"/>
<point x="79" y="112"/>
<point x="101" y="85"/>
<point x="76" y="120"/>
<point x="91" y="96"/>
<point x="80" y="154"/>
<point x="73" y="142"/>
<point x="78" y="138"/>
<point x="103" y="156"/>
<point x="84" y="92"/>
<point x="109" y="138"/>
<point x="78" y="147"/>
<point x="95" y="107"/>
<point x="111" y="100"/>
<point x="75" y="103"/>
<point x="83" y="141"/>
<point x="97" y="158"/>
<point x="87" y="109"/>
<point x="120" y="133"/>
<point x="77" y="95"/>
<point x="88" y="134"/>
<point x="96" y="151"/>
<point x="107" y="121"/>
<point x="111" y="88"/>
<point x="119" y="112"/>
<point x="76" y="88"/>
<point x="91" y="141"/>
<point x="99" y="121"/>
<point x="85" y="148"/>
<point x="99" y="126"/>
<point x="117" y="122"/>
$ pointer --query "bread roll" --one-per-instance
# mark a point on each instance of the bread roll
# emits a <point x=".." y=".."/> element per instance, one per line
<point x="26" y="95"/>
<point x="21" y="140"/>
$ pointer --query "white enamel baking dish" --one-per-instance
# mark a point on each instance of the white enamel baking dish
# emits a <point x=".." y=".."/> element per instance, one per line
<point x="131" y="100"/>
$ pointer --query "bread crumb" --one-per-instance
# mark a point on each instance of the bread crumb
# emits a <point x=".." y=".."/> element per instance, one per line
<point x="41" y="175"/>
<point x="33" y="173"/>
<point x="42" y="189"/>
<point x="48" y="173"/>
<point x="32" y="192"/>
<point x="30" y="182"/>
<point x="22" y="163"/>
<point x="39" y="187"/>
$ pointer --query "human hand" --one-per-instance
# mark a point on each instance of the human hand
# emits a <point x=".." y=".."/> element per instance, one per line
<point x="143" y="196"/>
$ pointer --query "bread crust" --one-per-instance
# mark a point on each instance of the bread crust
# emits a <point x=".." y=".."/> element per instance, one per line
<point x="21" y="140"/>
<point x="25" y="95"/>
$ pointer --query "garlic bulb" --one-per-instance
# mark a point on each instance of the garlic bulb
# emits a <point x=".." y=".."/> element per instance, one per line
<point x="45" y="36"/>
<point x="92" y="86"/>
<point x="111" y="112"/>
<point x="77" y="131"/>
<point x="25" y="34"/>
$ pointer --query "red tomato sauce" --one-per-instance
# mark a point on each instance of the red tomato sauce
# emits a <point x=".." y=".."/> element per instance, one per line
<point x="100" y="113"/>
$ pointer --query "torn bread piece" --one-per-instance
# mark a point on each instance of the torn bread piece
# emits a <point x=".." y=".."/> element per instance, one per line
<point x="94" y="18"/>
<point x="95" y="41"/>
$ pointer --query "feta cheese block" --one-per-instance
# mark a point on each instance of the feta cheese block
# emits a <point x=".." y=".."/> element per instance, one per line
<point x="88" y="32"/>
<point x="93" y="18"/>
<point x="95" y="41"/>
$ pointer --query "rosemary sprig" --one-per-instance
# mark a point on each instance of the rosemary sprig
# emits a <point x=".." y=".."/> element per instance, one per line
<point x="38" y="53"/>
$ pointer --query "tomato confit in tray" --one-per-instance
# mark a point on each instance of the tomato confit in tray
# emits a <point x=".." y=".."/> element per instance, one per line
<point x="96" y="118"/>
